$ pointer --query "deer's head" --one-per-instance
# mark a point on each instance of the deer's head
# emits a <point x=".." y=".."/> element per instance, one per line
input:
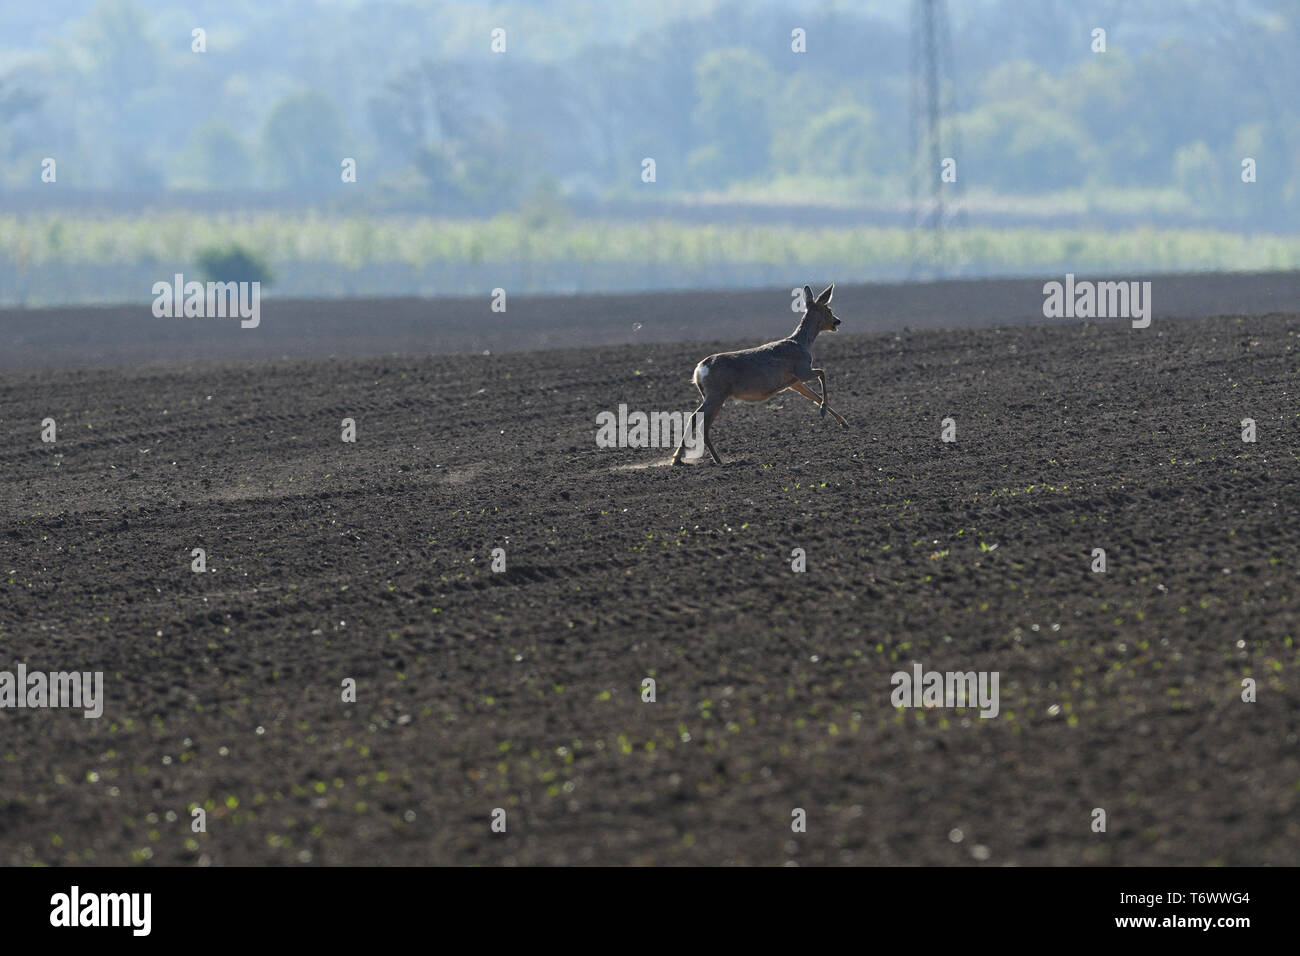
<point x="820" y="308"/>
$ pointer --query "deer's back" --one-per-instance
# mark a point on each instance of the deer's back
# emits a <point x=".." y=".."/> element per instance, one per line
<point x="758" y="370"/>
<point x="782" y="352"/>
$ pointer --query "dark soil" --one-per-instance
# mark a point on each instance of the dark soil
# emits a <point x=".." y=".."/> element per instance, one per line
<point x="522" y="690"/>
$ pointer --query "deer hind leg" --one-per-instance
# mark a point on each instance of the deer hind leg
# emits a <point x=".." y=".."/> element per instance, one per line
<point x="686" y="426"/>
<point x="700" y="419"/>
<point x="686" y="430"/>
<point x="705" y="414"/>
<point x="709" y="416"/>
<point x="809" y="394"/>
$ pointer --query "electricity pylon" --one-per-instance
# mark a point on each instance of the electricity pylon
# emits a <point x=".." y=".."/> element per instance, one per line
<point x="935" y="204"/>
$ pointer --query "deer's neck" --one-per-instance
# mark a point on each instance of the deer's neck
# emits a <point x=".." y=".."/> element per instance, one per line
<point x="807" y="331"/>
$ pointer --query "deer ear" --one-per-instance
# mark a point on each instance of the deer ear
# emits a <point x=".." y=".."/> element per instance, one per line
<point x="807" y="297"/>
<point x="825" y="297"/>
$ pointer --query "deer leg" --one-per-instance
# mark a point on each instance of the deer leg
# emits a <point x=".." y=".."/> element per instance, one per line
<point x="808" y="393"/>
<point x="709" y="416"/>
<point x="805" y="374"/>
<point x="821" y="377"/>
<point x="686" y="430"/>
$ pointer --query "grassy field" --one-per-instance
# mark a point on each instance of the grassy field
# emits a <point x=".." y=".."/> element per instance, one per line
<point x="53" y="258"/>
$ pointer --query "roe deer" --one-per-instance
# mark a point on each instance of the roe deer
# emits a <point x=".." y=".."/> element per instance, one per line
<point x="752" y="375"/>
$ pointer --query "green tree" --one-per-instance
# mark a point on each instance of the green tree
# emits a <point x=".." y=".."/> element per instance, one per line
<point x="232" y="263"/>
<point x="117" y="49"/>
<point x="733" y="89"/>
<point x="216" y="158"/>
<point x="302" y="143"/>
<point x="1200" y="177"/>
<point x="1024" y="149"/>
<point x="839" y="142"/>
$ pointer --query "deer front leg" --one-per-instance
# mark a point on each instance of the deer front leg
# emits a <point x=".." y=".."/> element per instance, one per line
<point x="821" y="377"/>
<point x="804" y="373"/>
<point x="809" y="394"/>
